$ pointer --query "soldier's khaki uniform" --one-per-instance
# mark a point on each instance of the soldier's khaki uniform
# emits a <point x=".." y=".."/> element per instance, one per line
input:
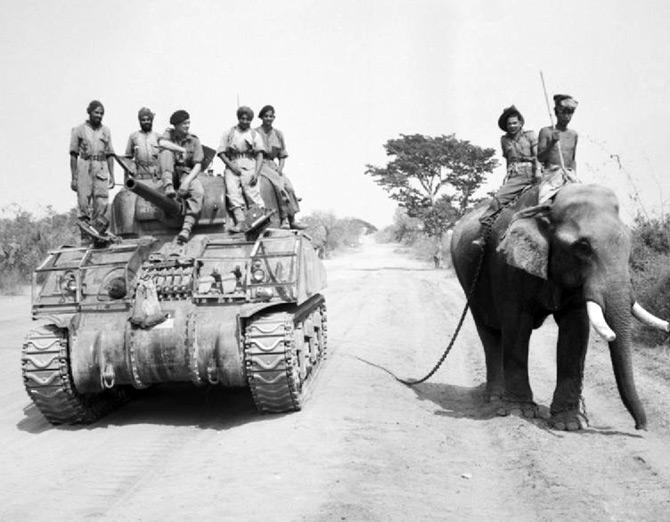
<point x="174" y="166"/>
<point x="275" y="149"/>
<point x="143" y="148"/>
<point x="92" y="147"/>
<point x="241" y="147"/>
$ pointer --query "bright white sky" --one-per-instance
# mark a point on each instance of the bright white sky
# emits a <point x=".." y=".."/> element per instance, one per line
<point x="344" y="76"/>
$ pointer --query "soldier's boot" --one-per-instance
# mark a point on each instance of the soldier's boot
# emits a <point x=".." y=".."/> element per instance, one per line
<point x="295" y="225"/>
<point x="186" y="228"/>
<point x="238" y="217"/>
<point x="284" y="224"/>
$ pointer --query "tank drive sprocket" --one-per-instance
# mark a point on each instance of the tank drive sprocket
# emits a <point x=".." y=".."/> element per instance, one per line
<point x="45" y="362"/>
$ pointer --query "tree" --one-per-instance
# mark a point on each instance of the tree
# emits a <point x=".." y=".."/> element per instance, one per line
<point x="433" y="178"/>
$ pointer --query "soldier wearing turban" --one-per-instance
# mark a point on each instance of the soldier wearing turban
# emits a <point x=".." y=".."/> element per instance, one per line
<point x="92" y="166"/>
<point x="557" y="147"/>
<point x="143" y="146"/>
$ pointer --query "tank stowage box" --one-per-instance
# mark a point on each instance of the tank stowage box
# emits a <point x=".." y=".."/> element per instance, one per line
<point x="228" y="310"/>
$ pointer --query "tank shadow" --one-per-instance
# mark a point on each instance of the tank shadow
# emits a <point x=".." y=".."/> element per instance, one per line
<point x="168" y="405"/>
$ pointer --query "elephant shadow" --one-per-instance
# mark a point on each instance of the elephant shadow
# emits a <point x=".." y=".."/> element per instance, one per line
<point x="464" y="402"/>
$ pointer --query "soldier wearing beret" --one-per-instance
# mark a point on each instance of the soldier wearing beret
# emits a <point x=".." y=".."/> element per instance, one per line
<point x="241" y="150"/>
<point x="557" y="148"/>
<point x="143" y="146"/>
<point x="519" y="148"/>
<point x="92" y="166"/>
<point x="182" y="164"/>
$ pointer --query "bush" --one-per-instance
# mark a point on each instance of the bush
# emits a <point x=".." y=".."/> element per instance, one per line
<point x="650" y="271"/>
<point x="25" y="241"/>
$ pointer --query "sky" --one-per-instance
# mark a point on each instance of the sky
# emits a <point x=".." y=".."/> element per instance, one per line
<point x="344" y="77"/>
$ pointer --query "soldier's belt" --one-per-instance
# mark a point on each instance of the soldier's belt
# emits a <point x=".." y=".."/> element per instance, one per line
<point x="237" y="155"/>
<point x="94" y="157"/>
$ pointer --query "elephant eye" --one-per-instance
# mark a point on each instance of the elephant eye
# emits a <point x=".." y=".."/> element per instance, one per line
<point x="582" y="248"/>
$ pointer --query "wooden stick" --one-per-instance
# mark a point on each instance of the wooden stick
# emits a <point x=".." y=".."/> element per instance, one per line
<point x="551" y="120"/>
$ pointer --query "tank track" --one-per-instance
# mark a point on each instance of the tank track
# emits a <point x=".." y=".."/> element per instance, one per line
<point x="281" y="374"/>
<point x="45" y="362"/>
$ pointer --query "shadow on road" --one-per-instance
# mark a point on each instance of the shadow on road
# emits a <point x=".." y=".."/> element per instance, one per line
<point x="168" y="405"/>
<point x="463" y="402"/>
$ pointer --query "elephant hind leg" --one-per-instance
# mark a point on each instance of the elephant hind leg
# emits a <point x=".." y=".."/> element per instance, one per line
<point x="492" y="341"/>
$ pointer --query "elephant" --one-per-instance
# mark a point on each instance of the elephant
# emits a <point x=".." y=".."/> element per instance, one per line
<point x="568" y="259"/>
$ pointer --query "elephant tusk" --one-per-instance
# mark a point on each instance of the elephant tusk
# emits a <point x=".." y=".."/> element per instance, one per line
<point x="597" y="320"/>
<point x="648" y="318"/>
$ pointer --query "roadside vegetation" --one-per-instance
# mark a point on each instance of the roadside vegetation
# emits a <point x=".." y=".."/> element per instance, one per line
<point x="25" y="239"/>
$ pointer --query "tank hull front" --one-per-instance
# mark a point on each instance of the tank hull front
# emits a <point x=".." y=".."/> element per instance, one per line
<point x="198" y="344"/>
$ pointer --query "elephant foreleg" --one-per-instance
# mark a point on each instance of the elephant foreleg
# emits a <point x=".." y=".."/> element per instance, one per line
<point x="518" y="395"/>
<point x="573" y="337"/>
<point x="495" y="380"/>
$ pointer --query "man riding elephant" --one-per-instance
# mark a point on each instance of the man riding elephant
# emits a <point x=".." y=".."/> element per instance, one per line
<point x="570" y="260"/>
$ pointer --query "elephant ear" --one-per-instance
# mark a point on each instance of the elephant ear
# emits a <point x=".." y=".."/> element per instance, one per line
<point x="525" y="245"/>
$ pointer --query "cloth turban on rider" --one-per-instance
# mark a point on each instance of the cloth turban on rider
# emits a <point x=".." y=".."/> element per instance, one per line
<point x="565" y="101"/>
<point x="179" y="117"/>
<point x="509" y="111"/>
<point x="94" y="105"/>
<point x="145" y="111"/>
<point x="245" y="110"/>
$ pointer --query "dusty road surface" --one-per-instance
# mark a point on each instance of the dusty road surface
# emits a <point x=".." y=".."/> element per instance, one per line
<point x="365" y="447"/>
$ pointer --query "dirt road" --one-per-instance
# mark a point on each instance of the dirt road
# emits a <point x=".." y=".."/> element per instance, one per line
<point x="365" y="447"/>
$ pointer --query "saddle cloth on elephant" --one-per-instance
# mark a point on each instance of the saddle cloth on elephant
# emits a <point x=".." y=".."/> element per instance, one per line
<point x="516" y="229"/>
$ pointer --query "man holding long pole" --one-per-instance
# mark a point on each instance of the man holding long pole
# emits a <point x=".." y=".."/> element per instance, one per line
<point x="556" y="148"/>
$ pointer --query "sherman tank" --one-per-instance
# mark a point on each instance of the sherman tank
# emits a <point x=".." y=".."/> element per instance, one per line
<point x="136" y="309"/>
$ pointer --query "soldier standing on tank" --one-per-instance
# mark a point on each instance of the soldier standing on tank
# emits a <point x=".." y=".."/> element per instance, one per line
<point x="143" y="147"/>
<point x="556" y="150"/>
<point x="241" y="149"/>
<point x="182" y="165"/>
<point x="92" y="166"/>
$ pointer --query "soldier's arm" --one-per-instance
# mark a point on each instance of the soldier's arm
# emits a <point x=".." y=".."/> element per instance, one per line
<point x="282" y="153"/>
<point x="537" y="171"/>
<point x="198" y="157"/>
<point x="166" y="144"/>
<point x="544" y="144"/>
<point x="130" y="148"/>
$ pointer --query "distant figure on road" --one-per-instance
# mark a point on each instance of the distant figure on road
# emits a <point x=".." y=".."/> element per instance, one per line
<point x="274" y="158"/>
<point x="519" y="148"/>
<point x="143" y="147"/>
<point x="182" y="165"/>
<point x="557" y="147"/>
<point x="241" y="149"/>
<point x="92" y="167"/>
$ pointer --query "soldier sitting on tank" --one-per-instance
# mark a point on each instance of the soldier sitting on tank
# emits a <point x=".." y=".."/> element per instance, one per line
<point x="241" y="149"/>
<point x="274" y="159"/>
<point x="182" y="166"/>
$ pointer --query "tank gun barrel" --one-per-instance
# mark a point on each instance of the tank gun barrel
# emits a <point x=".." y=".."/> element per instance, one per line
<point x="170" y="206"/>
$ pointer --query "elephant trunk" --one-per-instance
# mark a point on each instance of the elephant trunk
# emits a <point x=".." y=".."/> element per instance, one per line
<point x="618" y="316"/>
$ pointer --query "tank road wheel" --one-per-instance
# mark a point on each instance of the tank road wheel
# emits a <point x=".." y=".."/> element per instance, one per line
<point x="281" y="359"/>
<point x="45" y="361"/>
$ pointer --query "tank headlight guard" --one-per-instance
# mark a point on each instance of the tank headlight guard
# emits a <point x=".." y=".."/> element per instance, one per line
<point x="68" y="283"/>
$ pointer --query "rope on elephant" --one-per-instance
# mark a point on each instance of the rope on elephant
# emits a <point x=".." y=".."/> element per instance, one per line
<point x="475" y="279"/>
<point x="487" y="232"/>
